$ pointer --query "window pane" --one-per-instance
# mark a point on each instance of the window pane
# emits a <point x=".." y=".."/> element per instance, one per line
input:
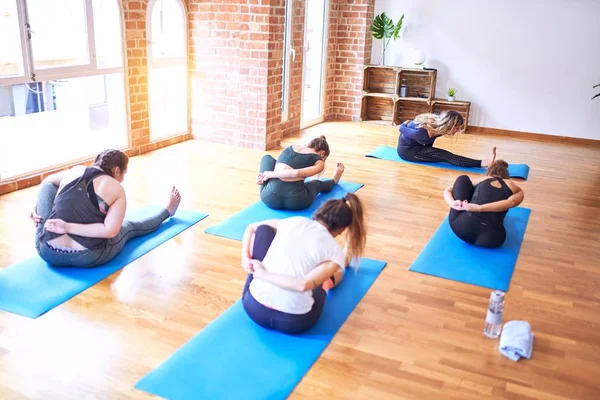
<point x="59" y="37"/>
<point x="11" y="57"/>
<point x="168" y="29"/>
<point x="168" y="101"/>
<point x="107" y="28"/>
<point x="43" y="124"/>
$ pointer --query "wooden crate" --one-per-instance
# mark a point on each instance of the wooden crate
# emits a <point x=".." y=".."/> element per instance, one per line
<point x="420" y="83"/>
<point x="408" y="109"/>
<point x="380" y="80"/>
<point x="462" y="107"/>
<point x="376" y="109"/>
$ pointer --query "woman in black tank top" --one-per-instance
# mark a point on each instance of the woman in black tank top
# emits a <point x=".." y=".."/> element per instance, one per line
<point x="295" y="193"/>
<point x="477" y="211"/>
<point x="76" y="227"/>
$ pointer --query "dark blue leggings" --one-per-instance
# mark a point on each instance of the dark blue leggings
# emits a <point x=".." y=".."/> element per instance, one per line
<point x="268" y="317"/>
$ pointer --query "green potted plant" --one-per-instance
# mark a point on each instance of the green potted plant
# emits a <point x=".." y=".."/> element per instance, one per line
<point x="383" y="28"/>
<point x="451" y="94"/>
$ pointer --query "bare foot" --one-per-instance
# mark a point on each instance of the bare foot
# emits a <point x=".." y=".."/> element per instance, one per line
<point x="489" y="161"/>
<point x="174" y="201"/>
<point x="339" y="170"/>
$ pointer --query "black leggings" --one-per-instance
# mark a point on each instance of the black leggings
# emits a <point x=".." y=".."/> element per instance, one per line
<point x="268" y="317"/>
<point x="298" y="195"/>
<point x="433" y="154"/>
<point x="466" y="225"/>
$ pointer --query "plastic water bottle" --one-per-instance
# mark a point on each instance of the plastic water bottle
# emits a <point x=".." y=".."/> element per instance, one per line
<point x="493" y="320"/>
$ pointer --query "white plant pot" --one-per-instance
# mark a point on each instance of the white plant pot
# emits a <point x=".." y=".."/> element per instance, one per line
<point x="450" y="98"/>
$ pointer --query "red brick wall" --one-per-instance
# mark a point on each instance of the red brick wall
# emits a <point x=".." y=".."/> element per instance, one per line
<point x="349" y="50"/>
<point x="236" y="62"/>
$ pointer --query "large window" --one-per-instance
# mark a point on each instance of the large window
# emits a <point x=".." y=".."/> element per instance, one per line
<point x="62" y="89"/>
<point x="167" y="68"/>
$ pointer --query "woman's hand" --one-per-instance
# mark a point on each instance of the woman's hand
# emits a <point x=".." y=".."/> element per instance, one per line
<point x="472" y="207"/>
<point x="56" y="226"/>
<point x="262" y="177"/>
<point x="257" y="269"/>
<point x="246" y="264"/>
<point x="458" y="205"/>
<point x="33" y="215"/>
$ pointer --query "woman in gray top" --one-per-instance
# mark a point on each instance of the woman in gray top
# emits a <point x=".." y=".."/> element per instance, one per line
<point x="282" y="181"/>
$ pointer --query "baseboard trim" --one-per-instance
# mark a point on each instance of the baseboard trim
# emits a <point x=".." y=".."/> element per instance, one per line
<point x="538" y="137"/>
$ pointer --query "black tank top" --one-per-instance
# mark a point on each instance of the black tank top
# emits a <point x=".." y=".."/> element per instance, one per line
<point x="297" y="160"/>
<point x="77" y="203"/>
<point x="486" y="193"/>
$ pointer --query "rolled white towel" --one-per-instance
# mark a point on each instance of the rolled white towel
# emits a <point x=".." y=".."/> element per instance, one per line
<point x="516" y="340"/>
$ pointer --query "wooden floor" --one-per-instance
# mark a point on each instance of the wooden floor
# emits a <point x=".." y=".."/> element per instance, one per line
<point x="412" y="337"/>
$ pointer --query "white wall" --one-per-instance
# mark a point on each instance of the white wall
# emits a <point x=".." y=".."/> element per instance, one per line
<point x="525" y="65"/>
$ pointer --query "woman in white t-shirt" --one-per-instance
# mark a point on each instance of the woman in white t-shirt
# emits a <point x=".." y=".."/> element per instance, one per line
<point x="290" y="262"/>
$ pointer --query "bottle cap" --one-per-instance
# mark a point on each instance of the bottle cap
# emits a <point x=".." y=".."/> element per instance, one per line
<point x="497" y="295"/>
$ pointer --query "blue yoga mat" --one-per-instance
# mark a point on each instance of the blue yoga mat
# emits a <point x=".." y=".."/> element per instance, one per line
<point x="391" y="154"/>
<point x="234" y="358"/>
<point x="32" y="287"/>
<point x="234" y="226"/>
<point x="447" y="256"/>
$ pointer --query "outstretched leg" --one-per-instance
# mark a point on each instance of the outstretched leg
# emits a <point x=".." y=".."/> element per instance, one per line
<point x="132" y="229"/>
<point x="434" y="154"/>
<point x="317" y="186"/>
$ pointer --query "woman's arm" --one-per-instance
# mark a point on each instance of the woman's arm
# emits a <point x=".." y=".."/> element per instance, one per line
<point x="498" y="206"/>
<point x="296" y="173"/>
<point x="313" y="279"/>
<point x="249" y="235"/>
<point x="109" y="229"/>
<point x="455" y="204"/>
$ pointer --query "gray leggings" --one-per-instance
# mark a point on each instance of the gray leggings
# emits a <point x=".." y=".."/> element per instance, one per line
<point x="93" y="257"/>
<point x="290" y="195"/>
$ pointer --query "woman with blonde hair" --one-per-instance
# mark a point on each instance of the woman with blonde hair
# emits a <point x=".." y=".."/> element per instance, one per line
<point x="291" y="262"/>
<point x="416" y="139"/>
<point x="282" y="181"/>
<point x="477" y="211"/>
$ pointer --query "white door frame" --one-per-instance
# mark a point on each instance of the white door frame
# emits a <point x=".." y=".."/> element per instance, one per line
<point x="289" y="55"/>
<point x="321" y="118"/>
<point x="167" y="62"/>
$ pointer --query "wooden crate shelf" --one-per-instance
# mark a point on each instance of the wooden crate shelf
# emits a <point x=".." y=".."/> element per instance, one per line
<point x="419" y="83"/>
<point x="406" y="110"/>
<point x="381" y="101"/>
<point x="442" y="105"/>
<point x="378" y="110"/>
<point x="380" y="80"/>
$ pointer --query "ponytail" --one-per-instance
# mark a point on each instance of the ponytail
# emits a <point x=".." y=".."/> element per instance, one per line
<point x="356" y="236"/>
<point x="347" y="212"/>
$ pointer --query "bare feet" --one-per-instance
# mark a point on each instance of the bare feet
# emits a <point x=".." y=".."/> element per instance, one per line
<point x="174" y="201"/>
<point x="339" y="170"/>
<point x="489" y="161"/>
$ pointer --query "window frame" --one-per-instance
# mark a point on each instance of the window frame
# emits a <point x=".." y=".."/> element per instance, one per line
<point x="31" y="74"/>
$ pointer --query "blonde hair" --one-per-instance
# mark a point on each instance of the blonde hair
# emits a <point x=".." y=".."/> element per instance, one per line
<point x="447" y="123"/>
<point x="347" y="212"/>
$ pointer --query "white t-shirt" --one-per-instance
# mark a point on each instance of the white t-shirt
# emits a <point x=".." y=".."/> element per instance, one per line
<point x="300" y="245"/>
